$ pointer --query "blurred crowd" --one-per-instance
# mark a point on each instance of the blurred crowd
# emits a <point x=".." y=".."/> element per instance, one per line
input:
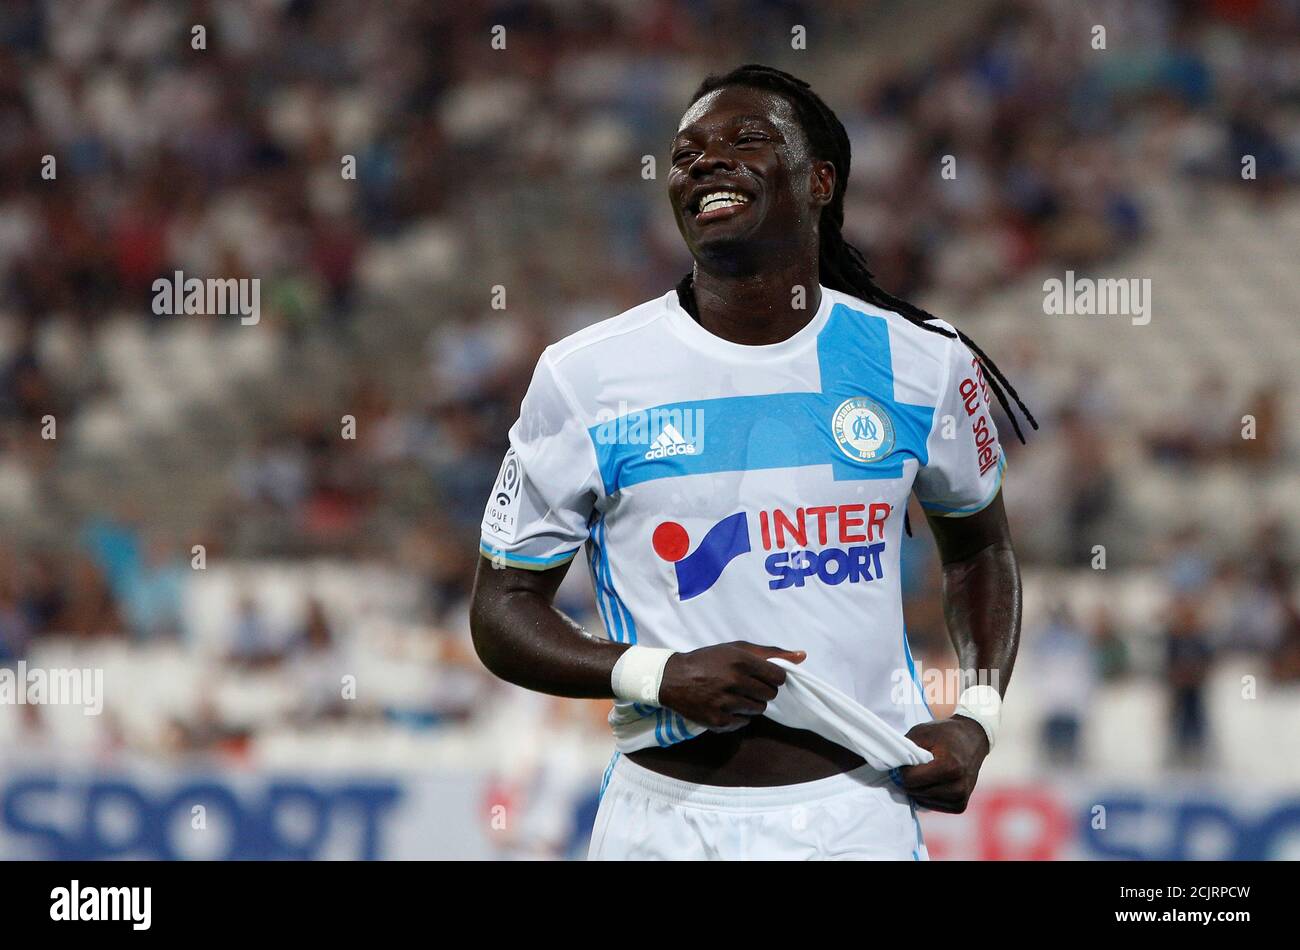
<point x="521" y="170"/>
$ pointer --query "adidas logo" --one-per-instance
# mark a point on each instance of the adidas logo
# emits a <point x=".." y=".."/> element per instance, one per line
<point x="669" y="443"/>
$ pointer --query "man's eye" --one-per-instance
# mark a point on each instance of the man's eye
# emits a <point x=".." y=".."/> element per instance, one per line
<point x="679" y="157"/>
<point x="751" y="138"/>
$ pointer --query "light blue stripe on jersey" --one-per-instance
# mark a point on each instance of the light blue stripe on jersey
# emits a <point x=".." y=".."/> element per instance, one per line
<point x="622" y="629"/>
<point x="628" y="624"/>
<point x="670" y="728"/>
<point x="596" y="586"/>
<point x="618" y="619"/>
<point x="782" y="430"/>
<point x="920" y="838"/>
<point x="522" y="560"/>
<point x="612" y="615"/>
<point x="609" y="770"/>
<point x="592" y="550"/>
<point x="681" y="724"/>
<point x="911" y="671"/>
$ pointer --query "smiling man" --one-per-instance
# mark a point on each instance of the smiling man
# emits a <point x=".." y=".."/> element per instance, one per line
<point x="737" y="457"/>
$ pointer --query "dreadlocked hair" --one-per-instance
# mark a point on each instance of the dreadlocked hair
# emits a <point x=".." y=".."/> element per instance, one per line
<point x="841" y="265"/>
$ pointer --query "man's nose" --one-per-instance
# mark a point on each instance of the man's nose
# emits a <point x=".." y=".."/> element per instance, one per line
<point x="715" y="156"/>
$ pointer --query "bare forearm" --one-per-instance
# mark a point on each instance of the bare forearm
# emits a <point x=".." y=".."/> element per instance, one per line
<point x="522" y="638"/>
<point x="981" y="600"/>
<point x="982" y="603"/>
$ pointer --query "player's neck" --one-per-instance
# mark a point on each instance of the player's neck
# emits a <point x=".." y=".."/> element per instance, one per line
<point x="757" y="309"/>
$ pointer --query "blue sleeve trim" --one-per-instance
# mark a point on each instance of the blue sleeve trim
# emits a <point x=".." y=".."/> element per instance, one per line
<point x="510" y="559"/>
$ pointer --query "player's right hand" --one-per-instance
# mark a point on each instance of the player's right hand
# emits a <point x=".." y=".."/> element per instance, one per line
<point x="724" y="686"/>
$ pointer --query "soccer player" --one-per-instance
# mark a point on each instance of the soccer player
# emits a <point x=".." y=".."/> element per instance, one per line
<point x="737" y="457"/>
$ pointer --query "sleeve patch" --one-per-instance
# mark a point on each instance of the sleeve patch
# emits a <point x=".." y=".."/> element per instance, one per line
<point x="501" y="518"/>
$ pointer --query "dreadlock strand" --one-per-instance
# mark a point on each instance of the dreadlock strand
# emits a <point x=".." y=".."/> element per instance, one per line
<point x="686" y="295"/>
<point x="998" y="375"/>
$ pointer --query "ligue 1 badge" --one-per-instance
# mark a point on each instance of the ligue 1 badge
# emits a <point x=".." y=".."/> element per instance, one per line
<point x="862" y="429"/>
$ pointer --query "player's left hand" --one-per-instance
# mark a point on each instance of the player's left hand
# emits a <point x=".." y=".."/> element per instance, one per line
<point x="959" y="746"/>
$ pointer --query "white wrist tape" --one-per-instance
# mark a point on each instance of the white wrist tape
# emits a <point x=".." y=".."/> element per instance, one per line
<point x="984" y="705"/>
<point x="638" y="674"/>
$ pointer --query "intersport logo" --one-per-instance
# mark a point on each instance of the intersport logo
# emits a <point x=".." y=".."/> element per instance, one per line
<point x="831" y="544"/>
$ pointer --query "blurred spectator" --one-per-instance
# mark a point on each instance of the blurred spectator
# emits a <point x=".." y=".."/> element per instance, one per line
<point x="1088" y="484"/>
<point x="1265" y="410"/>
<point x="153" y="598"/>
<point x="1188" y="655"/>
<point x="1066" y="677"/>
<point x="457" y="466"/>
<point x="316" y="667"/>
<point x="272" y="474"/>
<point x="1189" y="568"/>
<point x="1257" y="609"/>
<point x="90" y="609"/>
<point x="1201" y="429"/>
<point x="43" y="591"/>
<point x="1285" y="666"/>
<point x="115" y="546"/>
<point x="14" y="629"/>
<point x="251" y="640"/>
<point x="1109" y="649"/>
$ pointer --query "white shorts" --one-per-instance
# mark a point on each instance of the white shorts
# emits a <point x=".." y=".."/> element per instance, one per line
<point x="860" y="815"/>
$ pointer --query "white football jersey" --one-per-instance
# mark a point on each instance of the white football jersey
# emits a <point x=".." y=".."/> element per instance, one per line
<point x="731" y="492"/>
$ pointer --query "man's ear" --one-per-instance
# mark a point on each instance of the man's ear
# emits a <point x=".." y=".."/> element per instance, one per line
<point x="823" y="183"/>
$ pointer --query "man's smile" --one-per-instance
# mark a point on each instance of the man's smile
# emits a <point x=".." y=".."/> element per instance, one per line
<point x="713" y="202"/>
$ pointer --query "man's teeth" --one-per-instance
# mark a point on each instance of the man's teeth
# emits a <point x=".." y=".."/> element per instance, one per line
<point x="721" y="199"/>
